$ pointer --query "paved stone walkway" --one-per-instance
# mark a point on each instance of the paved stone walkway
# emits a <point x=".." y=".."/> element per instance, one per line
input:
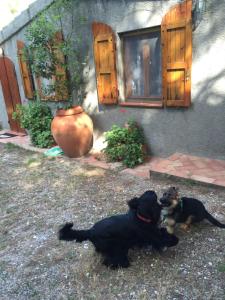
<point x="20" y="140"/>
<point x="196" y="168"/>
<point x="191" y="167"/>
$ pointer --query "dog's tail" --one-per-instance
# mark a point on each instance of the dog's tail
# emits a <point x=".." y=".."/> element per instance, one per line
<point x="212" y="220"/>
<point x="66" y="233"/>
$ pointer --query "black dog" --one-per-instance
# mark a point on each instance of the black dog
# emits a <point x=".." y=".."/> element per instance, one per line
<point x="183" y="210"/>
<point x="115" y="235"/>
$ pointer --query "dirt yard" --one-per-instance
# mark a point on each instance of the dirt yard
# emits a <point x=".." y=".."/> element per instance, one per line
<point x="38" y="194"/>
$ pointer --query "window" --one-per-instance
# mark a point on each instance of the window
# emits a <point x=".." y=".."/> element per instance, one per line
<point x="142" y="65"/>
<point x="157" y="62"/>
<point x="46" y="88"/>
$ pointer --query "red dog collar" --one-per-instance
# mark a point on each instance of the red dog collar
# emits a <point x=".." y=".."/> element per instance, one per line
<point x="144" y="219"/>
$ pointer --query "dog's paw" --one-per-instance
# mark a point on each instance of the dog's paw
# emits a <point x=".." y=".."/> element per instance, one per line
<point x="185" y="227"/>
<point x="164" y="249"/>
<point x="159" y="250"/>
<point x="119" y="265"/>
<point x="113" y="265"/>
<point x="170" y="229"/>
<point x="107" y="263"/>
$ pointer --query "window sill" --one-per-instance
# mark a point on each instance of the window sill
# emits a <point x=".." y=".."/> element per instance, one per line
<point x="152" y="104"/>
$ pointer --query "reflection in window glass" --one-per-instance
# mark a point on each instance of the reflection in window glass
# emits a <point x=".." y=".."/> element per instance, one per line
<point x="48" y="87"/>
<point x="142" y="57"/>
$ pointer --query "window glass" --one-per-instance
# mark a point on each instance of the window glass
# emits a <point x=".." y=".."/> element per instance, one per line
<point x="142" y="58"/>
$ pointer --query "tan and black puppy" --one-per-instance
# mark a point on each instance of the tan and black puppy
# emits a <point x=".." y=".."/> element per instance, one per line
<point x="183" y="210"/>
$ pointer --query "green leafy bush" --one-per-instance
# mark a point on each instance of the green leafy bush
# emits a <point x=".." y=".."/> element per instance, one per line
<point x="36" y="117"/>
<point x="125" y="144"/>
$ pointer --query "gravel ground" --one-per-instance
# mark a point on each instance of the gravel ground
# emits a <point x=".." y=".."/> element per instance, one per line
<point x="38" y="194"/>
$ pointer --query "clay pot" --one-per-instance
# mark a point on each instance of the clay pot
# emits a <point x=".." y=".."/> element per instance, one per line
<point x="72" y="130"/>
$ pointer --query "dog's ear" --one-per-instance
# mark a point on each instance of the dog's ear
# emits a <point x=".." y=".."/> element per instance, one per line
<point x="175" y="189"/>
<point x="133" y="203"/>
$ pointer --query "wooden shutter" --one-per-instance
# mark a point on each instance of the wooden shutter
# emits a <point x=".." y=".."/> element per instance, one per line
<point x="10" y="91"/>
<point x="25" y="72"/>
<point x="176" y="38"/>
<point x="105" y="63"/>
<point x="61" y="78"/>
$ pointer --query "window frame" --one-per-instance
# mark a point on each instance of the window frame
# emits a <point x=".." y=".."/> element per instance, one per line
<point x="140" y="101"/>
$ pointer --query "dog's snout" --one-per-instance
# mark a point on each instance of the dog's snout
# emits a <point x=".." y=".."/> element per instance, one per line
<point x="162" y="200"/>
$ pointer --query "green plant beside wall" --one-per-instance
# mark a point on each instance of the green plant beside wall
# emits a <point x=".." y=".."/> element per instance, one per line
<point x="36" y="117"/>
<point x="125" y="144"/>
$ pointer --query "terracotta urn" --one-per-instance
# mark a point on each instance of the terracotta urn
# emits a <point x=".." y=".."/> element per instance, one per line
<point x="72" y="130"/>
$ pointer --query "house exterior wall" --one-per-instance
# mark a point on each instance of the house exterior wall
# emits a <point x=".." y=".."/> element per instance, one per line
<point x="8" y="37"/>
<point x="197" y="130"/>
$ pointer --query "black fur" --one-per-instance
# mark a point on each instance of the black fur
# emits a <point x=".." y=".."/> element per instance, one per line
<point x="115" y="235"/>
<point x="186" y="210"/>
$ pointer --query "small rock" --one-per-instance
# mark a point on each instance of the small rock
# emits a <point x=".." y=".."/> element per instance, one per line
<point x="85" y="246"/>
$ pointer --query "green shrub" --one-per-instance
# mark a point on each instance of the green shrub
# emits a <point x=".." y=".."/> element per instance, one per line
<point x="125" y="144"/>
<point x="36" y="117"/>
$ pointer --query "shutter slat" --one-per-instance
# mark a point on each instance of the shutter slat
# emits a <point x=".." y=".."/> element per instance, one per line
<point x="25" y="72"/>
<point x="177" y="55"/>
<point x="105" y="63"/>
